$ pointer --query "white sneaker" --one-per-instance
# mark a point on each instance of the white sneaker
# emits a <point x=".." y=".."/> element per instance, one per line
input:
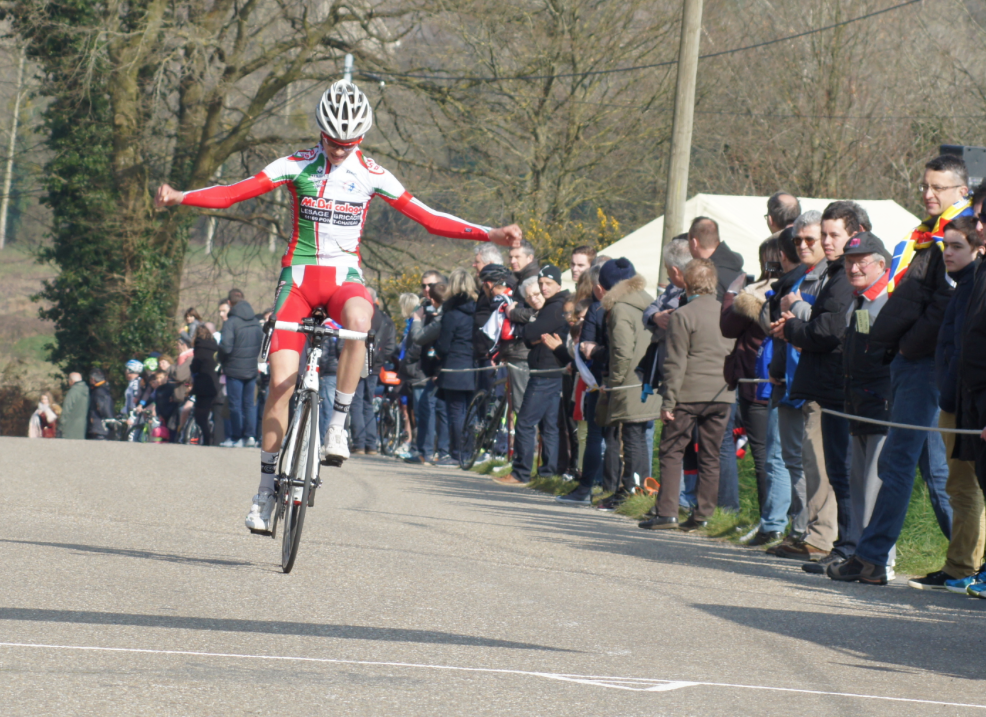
<point x="238" y="444"/>
<point x="258" y="519"/>
<point x="336" y="447"/>
<point x="250" y="442"/>
<point x="228" y="443"/>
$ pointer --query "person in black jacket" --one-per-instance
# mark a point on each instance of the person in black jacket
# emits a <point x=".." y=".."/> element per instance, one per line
<point x="239" y="350"/>
<point x="906" y="333"/>
<point x="818" y="379"/>
<point x="205" y="382"/>
<point x="100" y="406"/>
<point x="962" y="252"/>
<point x="704" y="243"/>
<point x="363" y="428"/>
<point x="454" y="348"/>
<point x="543" y="392"/>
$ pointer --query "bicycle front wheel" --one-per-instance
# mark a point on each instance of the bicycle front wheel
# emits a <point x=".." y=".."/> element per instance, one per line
<point x="473" y="431"/>
<point x="298" y="484"/>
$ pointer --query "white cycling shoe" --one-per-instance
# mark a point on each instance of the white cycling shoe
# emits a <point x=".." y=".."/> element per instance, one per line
<point x="258" y="519"/>
<point x="335" y="449"/>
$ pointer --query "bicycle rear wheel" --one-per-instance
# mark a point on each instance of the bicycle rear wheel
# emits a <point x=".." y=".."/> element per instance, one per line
<point x="390" y="428"/>
<point x="473" y="431"/>
<point x="294" y="502"/>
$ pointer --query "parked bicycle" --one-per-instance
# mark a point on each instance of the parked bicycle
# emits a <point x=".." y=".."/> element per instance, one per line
<point x="486" y="421"/>
<point x="298" y="466"/>
<point x="390" y="418"/>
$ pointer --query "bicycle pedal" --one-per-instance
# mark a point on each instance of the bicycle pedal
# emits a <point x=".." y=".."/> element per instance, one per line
<point x="332" y="461"/>
<point x="259" y="532"/>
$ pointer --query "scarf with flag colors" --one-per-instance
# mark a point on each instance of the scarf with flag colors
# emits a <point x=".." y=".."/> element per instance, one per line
<point x="928" y="232"/>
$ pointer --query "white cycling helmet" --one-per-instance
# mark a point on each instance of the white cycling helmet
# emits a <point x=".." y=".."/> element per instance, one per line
<point x="344" y="112"/>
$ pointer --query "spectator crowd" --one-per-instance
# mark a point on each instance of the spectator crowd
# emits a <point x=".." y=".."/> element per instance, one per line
<point x="844" y="364"/>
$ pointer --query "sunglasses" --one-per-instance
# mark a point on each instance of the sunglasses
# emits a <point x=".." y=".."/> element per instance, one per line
<point x="807" y="241"/>
<point x="428" y="286"/>
<point x="341" y="145"/>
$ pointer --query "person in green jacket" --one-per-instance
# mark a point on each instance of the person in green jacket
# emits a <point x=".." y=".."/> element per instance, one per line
<point x="624" y="302"/>
<point x="75" y="408"/>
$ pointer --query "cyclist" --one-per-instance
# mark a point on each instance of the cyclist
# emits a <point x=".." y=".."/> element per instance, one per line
<point x="331" y="186"/>
<point x="131" y="396"/>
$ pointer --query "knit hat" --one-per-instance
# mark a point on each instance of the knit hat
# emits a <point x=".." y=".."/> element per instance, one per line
<point x="614" y="271"/>
<point x="550" y="271"/>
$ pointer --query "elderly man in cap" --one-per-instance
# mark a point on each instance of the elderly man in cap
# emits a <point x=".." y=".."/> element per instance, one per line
<point x="543" y="392"/>
<point x="866" y="379"/>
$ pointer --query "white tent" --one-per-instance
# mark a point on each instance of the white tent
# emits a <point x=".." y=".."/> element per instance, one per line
<point x="743" y="227"/>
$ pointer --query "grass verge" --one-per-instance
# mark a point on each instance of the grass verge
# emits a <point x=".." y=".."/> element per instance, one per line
<point x="920" y="549"/>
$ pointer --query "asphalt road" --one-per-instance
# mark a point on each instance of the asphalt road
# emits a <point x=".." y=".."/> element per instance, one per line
<point x="129" y="586"/>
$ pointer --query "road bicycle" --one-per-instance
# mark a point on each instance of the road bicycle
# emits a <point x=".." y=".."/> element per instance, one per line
<point x="191" y="432"/>
<point x="297" y="470"/>
<point x="486" y="419"/>
<point x="140" y="427"/>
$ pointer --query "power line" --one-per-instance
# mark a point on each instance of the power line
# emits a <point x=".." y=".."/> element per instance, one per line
<point x="377" y="75"/>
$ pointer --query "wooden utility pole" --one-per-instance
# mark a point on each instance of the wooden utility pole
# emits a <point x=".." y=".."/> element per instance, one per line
<point x="681" y="130"/>
<point x="11" y="148"/>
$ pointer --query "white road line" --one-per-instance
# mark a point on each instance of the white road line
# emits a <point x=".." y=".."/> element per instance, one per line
<point x="636" y="684"/>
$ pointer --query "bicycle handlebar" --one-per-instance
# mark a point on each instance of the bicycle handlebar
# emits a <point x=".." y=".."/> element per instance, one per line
<point x="320" y="330"/>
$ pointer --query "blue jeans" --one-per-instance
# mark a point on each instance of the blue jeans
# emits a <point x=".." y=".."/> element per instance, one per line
<point x="441" y="427"/>
<point x="915" y="402"/>
<point x="326" y="396"/>
<point x="242" y="411"/>
<point x="456" y="402"/>
<point x="649" y="438"/>
<point x="362" y="420"/>
<point x="540" y="405"/>
<point x="424" y="418"/>
<point x="837" y="446"/>
<point x="728" y="470"/>
<point x="773" y="513"/>
<point x="592" y="461"/>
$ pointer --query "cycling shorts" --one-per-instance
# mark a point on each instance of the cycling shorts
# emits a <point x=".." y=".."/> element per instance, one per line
<point x="303" y="287"/>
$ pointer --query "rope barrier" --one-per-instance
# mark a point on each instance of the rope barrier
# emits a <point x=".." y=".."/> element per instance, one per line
<point x="471" y="370"/>
<point x="620" y="388"/>
<point x="538" y="371"/>
<point x="888" y="424"/>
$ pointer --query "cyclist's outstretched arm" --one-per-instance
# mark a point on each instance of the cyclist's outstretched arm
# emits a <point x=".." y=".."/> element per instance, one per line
<point x="217" y="197"/>
<point x="450" y="226"/>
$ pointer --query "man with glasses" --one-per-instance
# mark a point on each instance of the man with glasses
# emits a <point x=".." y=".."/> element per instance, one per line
<point x="331" y="186"/>
<point x="908" y="326"/>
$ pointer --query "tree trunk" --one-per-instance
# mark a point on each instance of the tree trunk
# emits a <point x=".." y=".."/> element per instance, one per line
<point x="11" y="148"/>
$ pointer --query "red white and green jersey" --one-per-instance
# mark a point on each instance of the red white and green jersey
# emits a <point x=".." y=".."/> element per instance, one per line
<point x="330" y="205"/>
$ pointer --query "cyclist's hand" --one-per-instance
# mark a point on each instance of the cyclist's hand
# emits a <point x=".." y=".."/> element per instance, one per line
<point x="505" y="236"/>
<point x="166" y="196"/>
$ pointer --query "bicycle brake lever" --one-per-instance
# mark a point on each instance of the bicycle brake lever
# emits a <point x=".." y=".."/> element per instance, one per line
<point x="268" y="335"/>
<point x="370" y="339"/>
